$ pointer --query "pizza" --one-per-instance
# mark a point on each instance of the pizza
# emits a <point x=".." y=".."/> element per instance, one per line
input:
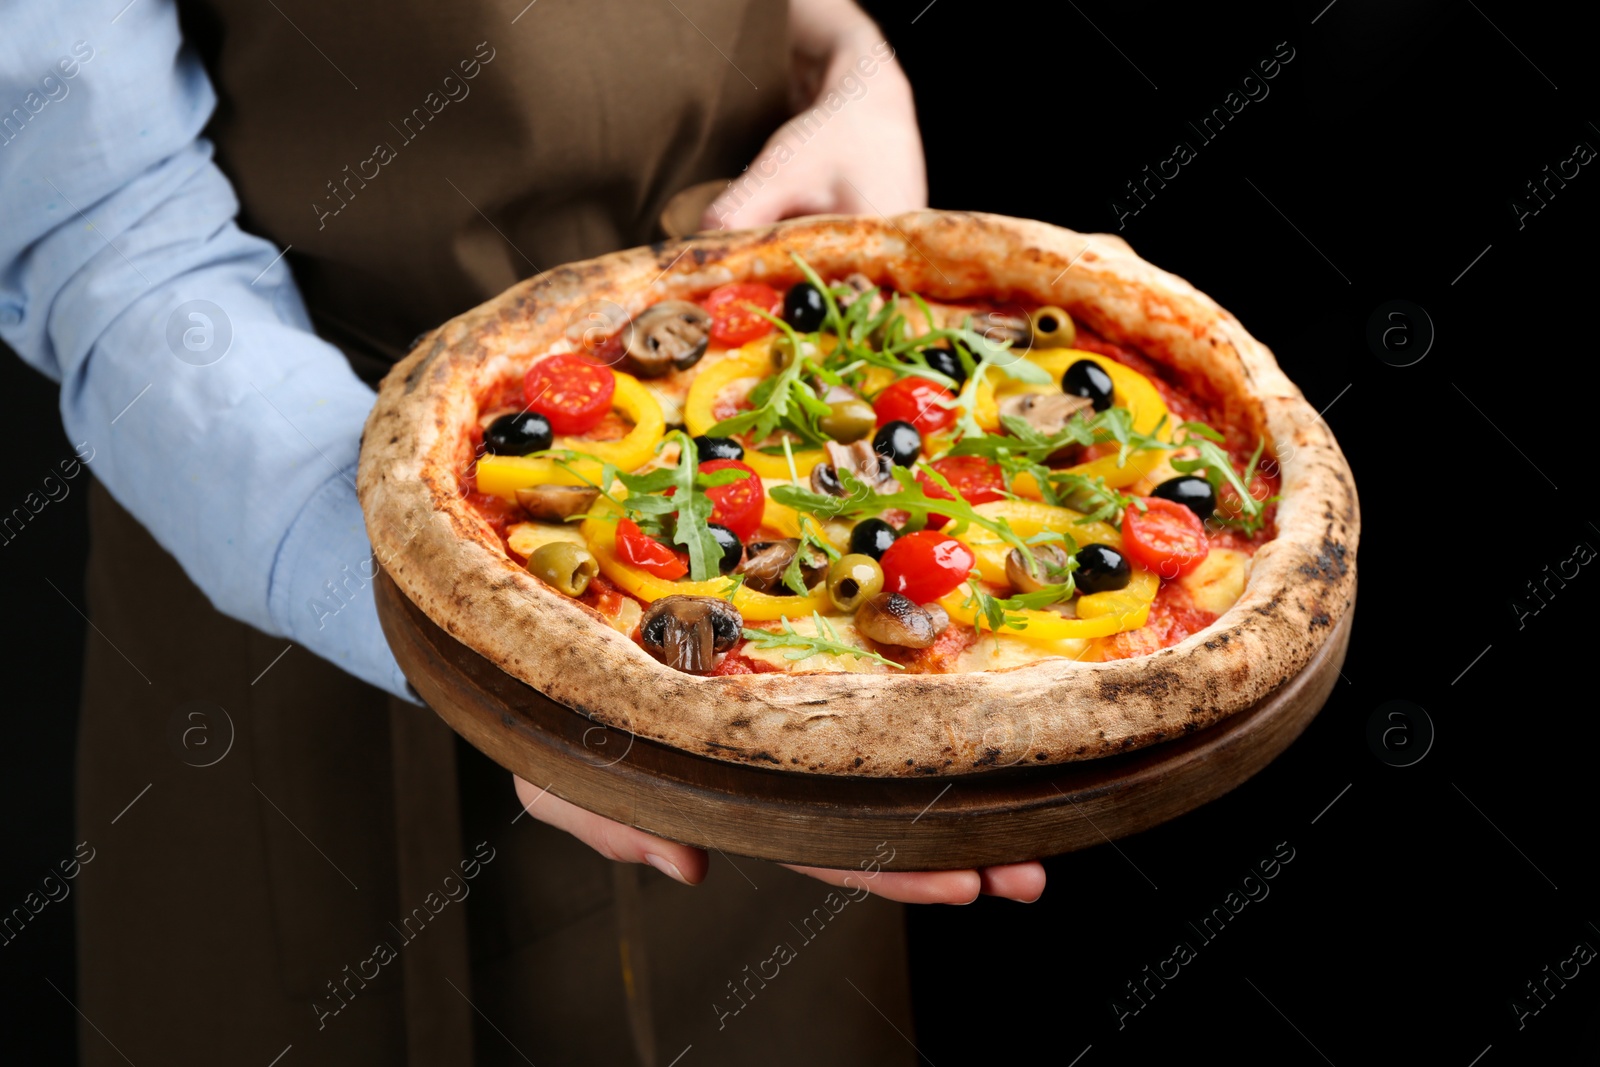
<point x="927" y="495"/>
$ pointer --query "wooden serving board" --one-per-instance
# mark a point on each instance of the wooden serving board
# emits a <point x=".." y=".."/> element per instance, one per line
<point x="830" y="821"/>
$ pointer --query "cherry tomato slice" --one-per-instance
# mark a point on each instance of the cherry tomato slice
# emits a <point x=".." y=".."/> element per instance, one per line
<point x="651" y="556"/>
<point x="917" y="401"/>
<point x="1167" y="538"/>
<point x="572" y="394"/>
<point x="738" y="505"/>
<point x="733" y="323"/>
<point x="926" y="565"/>
<point x="978" y="480"/>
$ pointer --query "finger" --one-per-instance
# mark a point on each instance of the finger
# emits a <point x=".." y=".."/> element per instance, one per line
<point x="1022" y="882"/>
<point x="751" y="201"/>
<point x="907" y="887"/>
<point x="612" y="839"/>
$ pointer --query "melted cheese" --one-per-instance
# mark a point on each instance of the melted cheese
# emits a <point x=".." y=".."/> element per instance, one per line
<point x="525" y="538"/>
<point x="1218" y="582"/>
<point x="627" y="618"/>
<point x="1003" y="651"/>
<point x="822" y="661"/>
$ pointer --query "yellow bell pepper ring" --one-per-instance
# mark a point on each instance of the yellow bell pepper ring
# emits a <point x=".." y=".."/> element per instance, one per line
<point x="1099" y="614"/>
<point x="755" y="607"/>
<point x="1139" y="465"/>
<point x="754" y="360"/>
<point x="502" y="476"/>
<point x="1130" y="389"/>
<point x="1027" y="518"/>
<point x="1040" y="626"/>
<point x="1131" y="603"/>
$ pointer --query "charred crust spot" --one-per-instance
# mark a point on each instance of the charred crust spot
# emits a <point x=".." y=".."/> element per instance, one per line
<point x="1220" y="641"/>
<point x="1270" y="608"/>
<point x="1319" y="620"/>
<point x="1156" y="683"/>
<point x="417" y="372"/>
<point x="769" y="757"/>
<point x="1041" y="756"/>
<point x="1329" y="564"/>
<point x="990" y="757"/>
<point x="812" y="703"/>
<point x="859" y="761"/>
<point x="394" y="439"/>
<point x="739" y="723"/>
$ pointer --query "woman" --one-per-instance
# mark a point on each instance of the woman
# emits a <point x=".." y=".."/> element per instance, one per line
<point x="290" y="858"/>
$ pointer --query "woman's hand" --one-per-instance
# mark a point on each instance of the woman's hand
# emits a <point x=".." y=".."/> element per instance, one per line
<point x="614" y="841"/>
<point x="852" y="148"/>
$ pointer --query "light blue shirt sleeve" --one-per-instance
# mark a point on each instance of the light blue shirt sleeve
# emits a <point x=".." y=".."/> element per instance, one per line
<point x="187" y="362"/>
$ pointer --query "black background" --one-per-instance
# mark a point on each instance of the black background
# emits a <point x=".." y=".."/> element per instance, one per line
<point x="1381" y="165"/>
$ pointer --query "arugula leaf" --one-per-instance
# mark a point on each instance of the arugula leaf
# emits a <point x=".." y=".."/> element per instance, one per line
<point x="804" y="646"/>
<point x="794" y="574"/>
<point x="1214" y="463"/>
<point x="786" y="399"/>
<point x="681" y="517"/>
<point x="1098" y="501"/>
<point x="860" y="501"/>
<point x="997" y="612"/>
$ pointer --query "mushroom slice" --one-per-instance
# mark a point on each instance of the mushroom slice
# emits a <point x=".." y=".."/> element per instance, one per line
<point x="687" y="632"/>
<point x="862" y="462"/>
<point x="765" y="562"/>
<point x="895" y="619"/>
<point x="1052" y="561"/>
<point x="671" y="334"/>
<point x="1046" y="412"/>
<point x="997" y="328"/>
<point x="556" y="503"/>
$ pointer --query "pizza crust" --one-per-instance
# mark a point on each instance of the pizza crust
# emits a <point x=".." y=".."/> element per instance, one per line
<point x="438" y="550"/>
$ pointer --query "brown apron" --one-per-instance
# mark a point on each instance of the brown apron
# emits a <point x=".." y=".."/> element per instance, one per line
<point x="287" y="861"/>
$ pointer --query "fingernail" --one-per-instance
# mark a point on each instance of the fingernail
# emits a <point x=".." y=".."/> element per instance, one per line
<point x="666" y="867"/>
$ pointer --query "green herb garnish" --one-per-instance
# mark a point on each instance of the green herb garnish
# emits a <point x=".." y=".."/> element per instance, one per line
<point x="997" y="612"/>
<point x="804" y="646"/>
<point x="1214" y="463"/>
<point x="860" y="501"/>
<point x="680" y="518"/>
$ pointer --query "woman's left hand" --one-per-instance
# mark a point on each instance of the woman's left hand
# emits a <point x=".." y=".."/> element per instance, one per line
<point x="853" y="149"/>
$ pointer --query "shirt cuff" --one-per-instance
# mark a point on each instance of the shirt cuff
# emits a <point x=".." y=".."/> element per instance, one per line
<point x="320" y="594"/>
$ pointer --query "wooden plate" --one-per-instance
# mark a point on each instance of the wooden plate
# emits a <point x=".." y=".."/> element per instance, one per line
<point x="1003" y="816"/>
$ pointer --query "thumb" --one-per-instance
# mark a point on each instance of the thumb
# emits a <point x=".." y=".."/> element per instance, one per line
<point x="767" y="192"/>
<point x="611" y="839"/>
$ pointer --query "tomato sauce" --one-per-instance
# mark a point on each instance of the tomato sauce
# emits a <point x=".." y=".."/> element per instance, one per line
<point x="1173" y="617"/>
<point x="736" y="662"/>
<point x="498" y="514"/>
<point x="939" y="658"/>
